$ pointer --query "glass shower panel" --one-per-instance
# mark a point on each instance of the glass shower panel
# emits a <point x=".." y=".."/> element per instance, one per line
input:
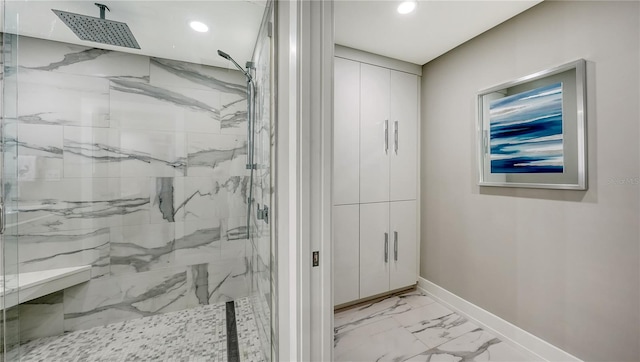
<point x="130" y="170"/>
<point x="9" y="238"/>
<point x="261" y="233"/>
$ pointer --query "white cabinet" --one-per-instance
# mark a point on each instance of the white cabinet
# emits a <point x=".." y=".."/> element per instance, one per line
<point x="388" y="237"/>
<point x="346" y="251"/>
<point x="403" y="244"/>
<point x="403" y="171"/>
<point x="388" y="134"/>
<point x="374" y="132"/>
<point x="375" y="173"/>
<point x="346" y="132"/>
<point x="374" y="249"/>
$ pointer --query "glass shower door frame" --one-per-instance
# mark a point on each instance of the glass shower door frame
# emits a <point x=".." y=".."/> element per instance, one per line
<point x="261" y="207"/>
<point x="9" y="176"/>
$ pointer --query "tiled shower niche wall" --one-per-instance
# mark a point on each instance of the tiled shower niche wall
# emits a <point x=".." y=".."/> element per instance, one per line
<point x="135" y="166"/>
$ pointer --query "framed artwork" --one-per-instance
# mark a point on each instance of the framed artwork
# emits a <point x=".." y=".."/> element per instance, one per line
<point x="532" y="131"/>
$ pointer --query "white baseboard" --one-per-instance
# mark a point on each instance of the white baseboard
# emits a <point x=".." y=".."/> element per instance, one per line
<point x="535" y="347"/>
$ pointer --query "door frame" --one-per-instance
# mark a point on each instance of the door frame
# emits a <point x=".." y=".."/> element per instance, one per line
<point x="304" y="134"/>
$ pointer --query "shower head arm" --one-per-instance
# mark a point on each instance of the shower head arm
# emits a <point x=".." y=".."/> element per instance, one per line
<point x="246" y="74"/>
<point x="102" y="8"/>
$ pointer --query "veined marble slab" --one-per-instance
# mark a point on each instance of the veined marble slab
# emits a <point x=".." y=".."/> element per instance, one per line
<point x="368" y="313"/>
<point x="39" y="54"/>
<point x="33" y="285"/>
<point x="149" y="154"/>
<point x="236" y="228"/>
<point x="216" y="155"/>
<point x="168" y="199"/>
<point x="39" y="150"/>
<point x="62" y="99"/>
<point x="197" y="242"/>
<point x="384" y="340"/>
<point x="443" y="335"/>
<point x="61" y="249"/>
<point x="96" y="152"/>
<point x="91" y="151"/>
<point x="214" y="198"/>
<point x="108" y="300"/>
<point x="233" y="114"/>
<point x="144" y="106"/>
<point x="436" y="331"/>
<point x="478" y="345"/>
<point x="82" y="203"/>
<point x="41" y="317"/>
<point x="140" y="248"/>
<point x="188" y="75"/>
<point x="220" y="281"/>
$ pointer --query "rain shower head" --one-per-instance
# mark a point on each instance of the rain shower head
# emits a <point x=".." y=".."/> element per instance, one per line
<point x="99" y="30"/>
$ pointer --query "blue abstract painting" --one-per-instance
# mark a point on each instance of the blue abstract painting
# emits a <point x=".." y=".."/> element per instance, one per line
<point x="526" y="132"/>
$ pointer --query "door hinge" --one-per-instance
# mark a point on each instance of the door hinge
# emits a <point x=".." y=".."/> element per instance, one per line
<point x="2" y="216"/>
<point x="263" y="214"/>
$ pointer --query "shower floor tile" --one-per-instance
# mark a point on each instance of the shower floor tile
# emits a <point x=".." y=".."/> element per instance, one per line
<point x="198" y="334"/>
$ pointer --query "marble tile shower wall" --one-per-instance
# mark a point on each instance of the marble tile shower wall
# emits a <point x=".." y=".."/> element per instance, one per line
<point x="135" y="166"/>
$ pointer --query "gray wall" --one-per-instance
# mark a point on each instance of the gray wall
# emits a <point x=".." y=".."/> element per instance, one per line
<point x="563" y="265"/>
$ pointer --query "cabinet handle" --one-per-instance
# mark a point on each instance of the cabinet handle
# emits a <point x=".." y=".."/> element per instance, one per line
<point x="395" y="245"/>
<point x="386" y="136"/>
<point x="386" y="247"/>
<point x="395" y="137"/>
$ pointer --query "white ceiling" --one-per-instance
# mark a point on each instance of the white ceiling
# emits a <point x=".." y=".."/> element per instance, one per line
<point x="160" y="27"/>
<point x="162" y="30"/>
<point x="431" y="30"/>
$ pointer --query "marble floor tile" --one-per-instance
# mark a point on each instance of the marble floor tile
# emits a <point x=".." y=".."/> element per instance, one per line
<point x="414" y="327"/>
<point x="437" y="331"/>
<point x="384" y="340"/>
<point x="503" y="352"/>
<point x="346" y="341"/>
<point x="477" y="345"/>
<point x="368" y="313"/>
<point x="422" y="314"/>
<point x="416" y="299"/>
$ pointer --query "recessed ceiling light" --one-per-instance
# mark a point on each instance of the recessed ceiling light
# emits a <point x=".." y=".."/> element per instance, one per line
<point x="199" y="27"/>
<point x="406" y="7"/>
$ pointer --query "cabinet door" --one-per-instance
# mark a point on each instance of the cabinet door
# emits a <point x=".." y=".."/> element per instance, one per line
<point x="404" y="136"/>
<point x="374" y="251"/>
<point x="346" y="132"/>
<point x="403" y="244"/>
<point x="374" y="129"/>
<point x="346" y="250"/>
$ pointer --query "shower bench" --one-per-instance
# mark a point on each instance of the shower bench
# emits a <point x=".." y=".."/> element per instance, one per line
<point x="34" y="285"/>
